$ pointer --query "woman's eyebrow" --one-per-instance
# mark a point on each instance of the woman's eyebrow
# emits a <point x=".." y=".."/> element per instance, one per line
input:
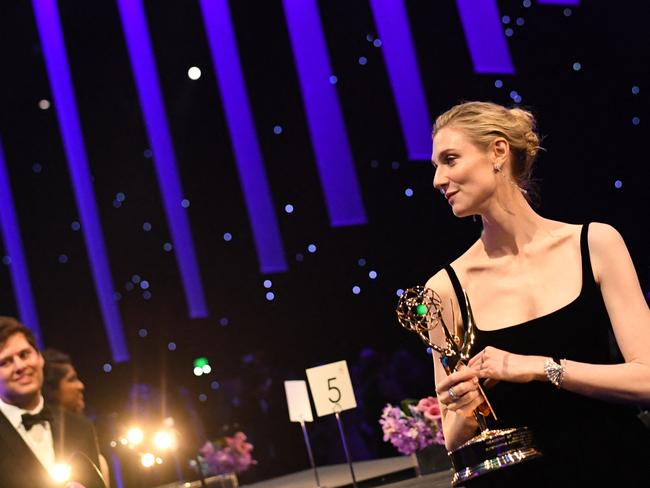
<point x="442" y="154"/>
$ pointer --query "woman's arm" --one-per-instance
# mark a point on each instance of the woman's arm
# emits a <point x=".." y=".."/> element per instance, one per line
<point x="628" y="311"/>
<point x="458" y="422"/>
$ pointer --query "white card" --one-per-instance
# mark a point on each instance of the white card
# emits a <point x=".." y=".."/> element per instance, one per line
<point x="298" y="401"/>
<point x="331" y="388"/>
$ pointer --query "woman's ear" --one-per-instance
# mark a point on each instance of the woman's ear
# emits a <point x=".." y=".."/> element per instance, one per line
<point x="500" y="151"/>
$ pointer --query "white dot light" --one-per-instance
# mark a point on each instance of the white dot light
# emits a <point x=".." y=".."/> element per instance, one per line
<point x="577" y="66"/>
<point x="509" y="32"/>
<point x="333" y="80"/>
<point x="408" y="192"/>
<point x="227" y="237"/>
<point x="270" y="296"/>
<point x="198" y="371"/>
<point x="635" y="90"/>
<point x="60" y="472"/>
<point x="203" y="397"/>
<point x="185" y="203"/>
<point x="107" y="368"/>
<point x="146" y="226"/>
<point x="636" y="120"/>
<point x="194" y="73"/>
<point x="143" y="333"/>
<point x="618" y="184"/>
<point x="363" y="61"/>
<point x="148" y="460"/>
<point x="399" y="292"/>
<point x="171" y="346"/>
<point x="277" y="130"/>
<point x="268" y="283"/>
<point x="135" y="436"/>
<point x="163" y="439"/>
<point x="372" y="275"/>
<point x="167" y="246"/>
<point x="356" y="290"/>
<point x="44" y="104"/>
<point x="311" y="248"/>
<point x="376" y="43"/>
<point x="498" y="83"/>
<point x="207" y="369"/>
<point x="288" y="208"/>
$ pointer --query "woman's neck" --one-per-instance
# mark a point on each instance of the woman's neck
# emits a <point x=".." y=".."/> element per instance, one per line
<point x="508" y="227"/>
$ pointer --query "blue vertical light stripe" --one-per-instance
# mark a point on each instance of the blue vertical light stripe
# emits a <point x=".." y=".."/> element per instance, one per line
<point x="252" y="175"/>
<point x="484" y="35"/>
<point x="401" y="62"/>
<point x="144" y="69"/>
<point x="117" y="470"/>
<point x="56" y="63"/>
<point x="324" y="118"/>
<point x="14" y="247"/>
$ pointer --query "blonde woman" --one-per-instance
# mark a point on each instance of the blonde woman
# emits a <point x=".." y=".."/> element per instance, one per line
<point x="545" y="296"/>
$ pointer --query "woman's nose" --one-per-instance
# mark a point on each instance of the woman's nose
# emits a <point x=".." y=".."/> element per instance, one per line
<point x="439" y="179"/>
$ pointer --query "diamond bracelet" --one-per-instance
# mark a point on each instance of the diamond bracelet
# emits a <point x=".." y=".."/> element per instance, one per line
<point x="554" y="372"/>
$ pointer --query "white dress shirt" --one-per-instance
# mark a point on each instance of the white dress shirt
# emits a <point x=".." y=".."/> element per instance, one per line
<point x="38" y="438"/>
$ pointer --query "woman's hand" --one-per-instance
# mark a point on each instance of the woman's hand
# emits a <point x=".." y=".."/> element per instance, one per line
<point x="498" y="365"/>
<point x="459" y="391"/>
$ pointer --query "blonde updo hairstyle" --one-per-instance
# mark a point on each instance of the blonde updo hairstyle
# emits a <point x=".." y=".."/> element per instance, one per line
<point x="485" y="121"/>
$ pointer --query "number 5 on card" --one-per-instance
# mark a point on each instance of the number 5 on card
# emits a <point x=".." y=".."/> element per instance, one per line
<point x="331" y="388"/>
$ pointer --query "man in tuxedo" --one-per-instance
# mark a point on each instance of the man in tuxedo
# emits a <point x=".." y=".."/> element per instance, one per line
<point x="35" y="437"/>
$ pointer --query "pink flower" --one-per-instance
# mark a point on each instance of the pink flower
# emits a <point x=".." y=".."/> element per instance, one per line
<point x="226" y="455"/>
<point x="430" y="408"/>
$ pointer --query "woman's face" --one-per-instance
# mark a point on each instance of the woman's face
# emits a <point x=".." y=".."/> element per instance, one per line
<point x="464" y="172"/>
<point x="71" y="391"/>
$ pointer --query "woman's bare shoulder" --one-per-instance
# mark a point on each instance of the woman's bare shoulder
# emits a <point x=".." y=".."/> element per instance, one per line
<point x="441" y="281"/>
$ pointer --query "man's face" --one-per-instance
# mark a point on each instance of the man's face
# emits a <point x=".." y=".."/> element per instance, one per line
<point x="21" y="372"/>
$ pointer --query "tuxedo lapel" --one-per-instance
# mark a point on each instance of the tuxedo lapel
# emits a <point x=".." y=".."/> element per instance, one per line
<point x="16" y="449"/>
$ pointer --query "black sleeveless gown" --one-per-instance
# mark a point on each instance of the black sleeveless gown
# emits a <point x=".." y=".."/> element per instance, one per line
<point x="585" y="442"/>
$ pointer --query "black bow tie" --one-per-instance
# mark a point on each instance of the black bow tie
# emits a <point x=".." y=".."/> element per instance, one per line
<point x="41" y="417"/>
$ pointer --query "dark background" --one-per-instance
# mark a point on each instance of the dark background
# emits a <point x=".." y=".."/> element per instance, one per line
<point x="585" y="117"/>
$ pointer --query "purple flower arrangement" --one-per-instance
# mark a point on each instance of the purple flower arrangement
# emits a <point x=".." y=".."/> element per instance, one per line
<point x="413" y="425"/>
<point x="226" y="455"/>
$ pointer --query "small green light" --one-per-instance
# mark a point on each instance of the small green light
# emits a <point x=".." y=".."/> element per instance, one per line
<point x="200" y="362"/>
<point x="421" y="309"/>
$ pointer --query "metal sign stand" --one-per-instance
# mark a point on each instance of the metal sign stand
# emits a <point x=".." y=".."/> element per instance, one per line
<point x="310" y="453"/>
<point x="345" y="447"/>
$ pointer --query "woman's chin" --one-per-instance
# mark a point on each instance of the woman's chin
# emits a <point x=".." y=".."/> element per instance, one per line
<point x="461" y="212"/>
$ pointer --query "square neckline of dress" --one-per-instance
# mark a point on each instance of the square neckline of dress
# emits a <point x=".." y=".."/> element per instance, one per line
<point x="456" y="282"/>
